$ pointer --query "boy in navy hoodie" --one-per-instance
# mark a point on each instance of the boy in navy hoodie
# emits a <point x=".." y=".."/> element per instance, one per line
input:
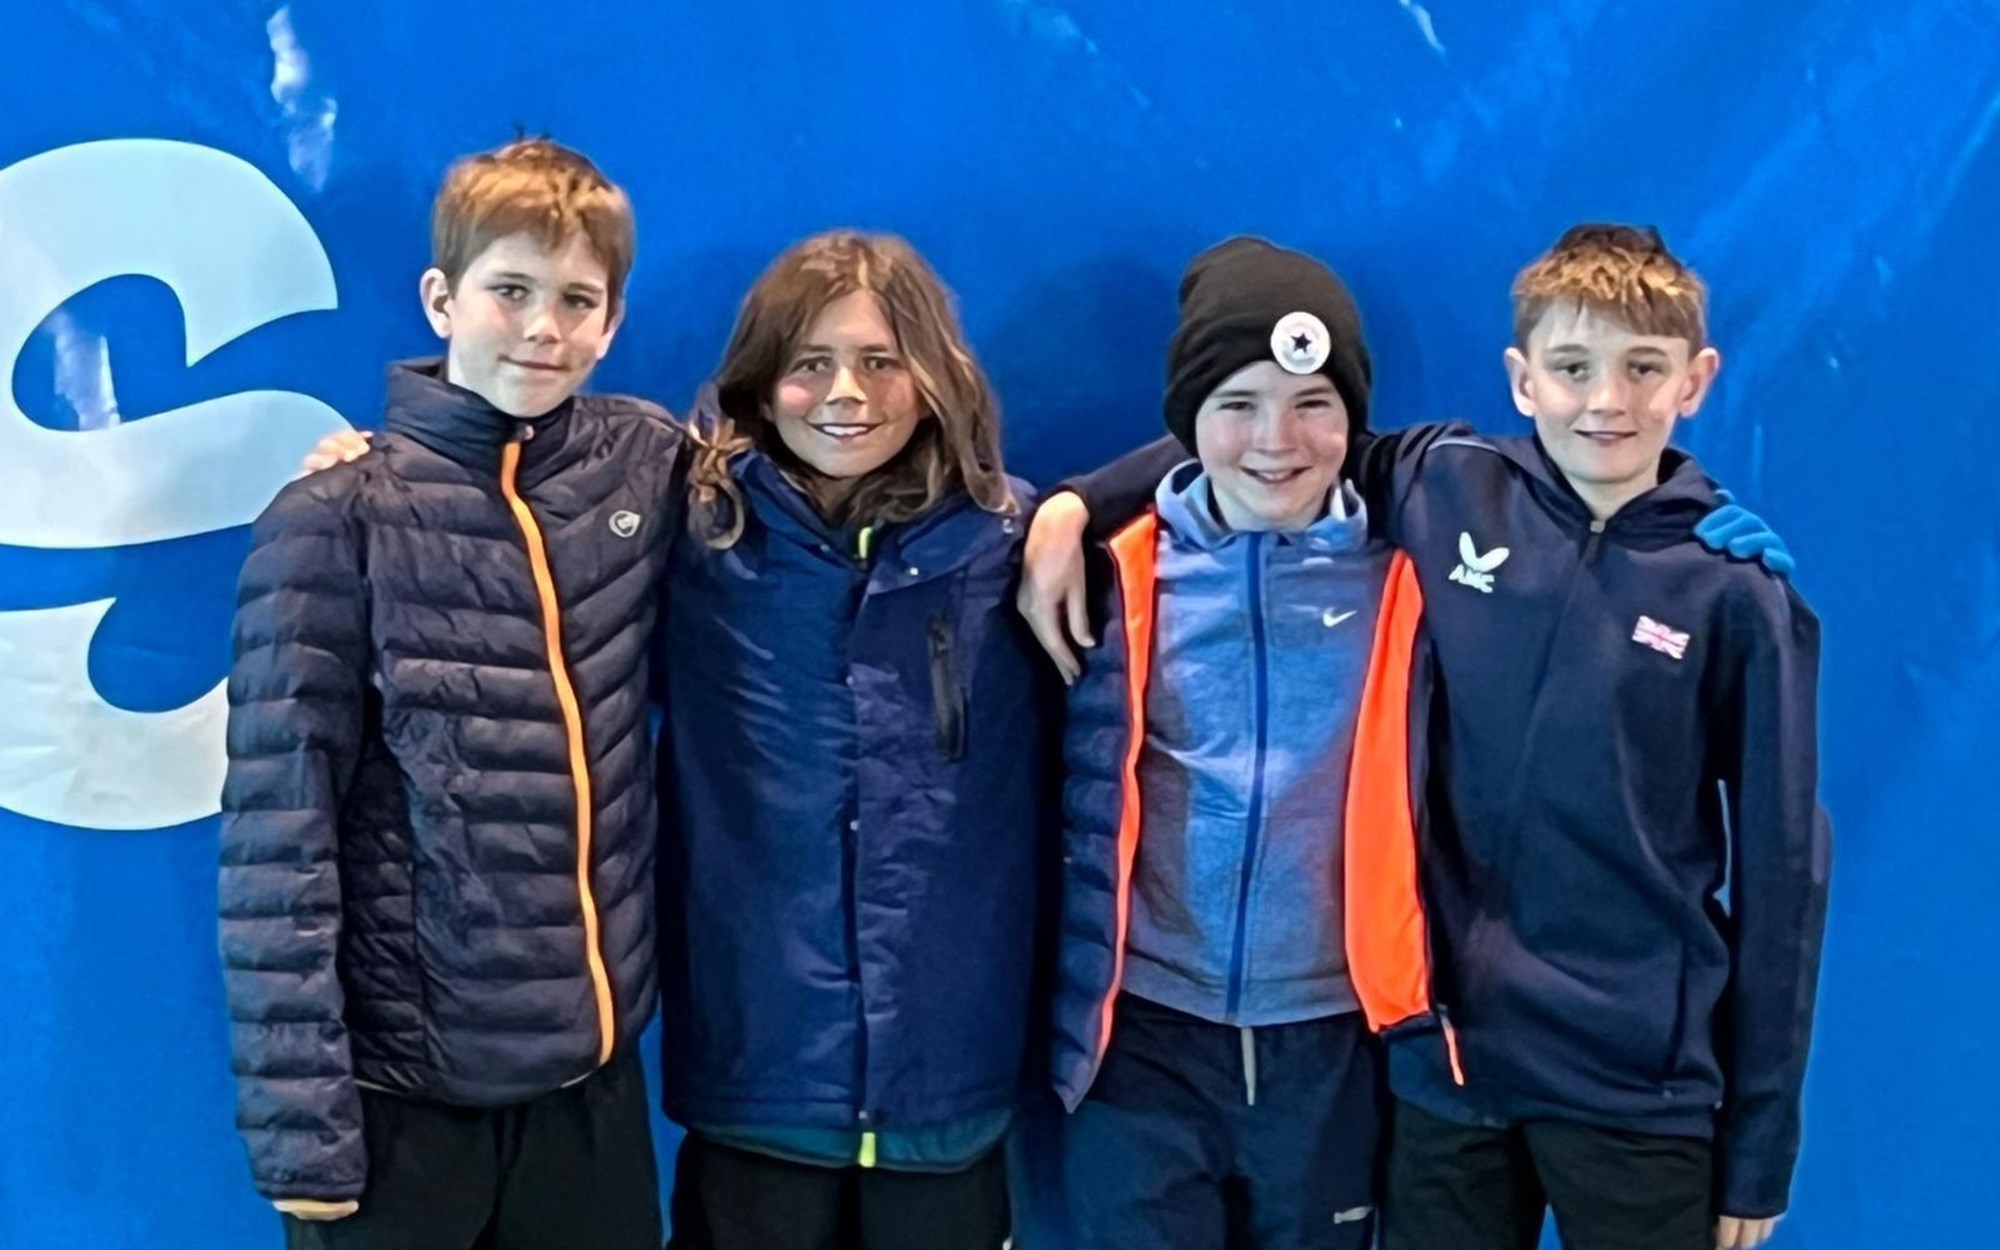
<point x="1605" y="788"/>
<point x="1225" y="1089"/>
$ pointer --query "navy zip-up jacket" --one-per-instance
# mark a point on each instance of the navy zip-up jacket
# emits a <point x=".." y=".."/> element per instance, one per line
<point x="1624" y="867"/>
<point x="853" y="759"/>
<point x="438" y="817"/>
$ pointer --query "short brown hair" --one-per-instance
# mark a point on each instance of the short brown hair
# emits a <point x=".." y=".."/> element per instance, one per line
<point x="537" y="187"/>
<point x="958" y="447"/>
<point x="1623" y="273"/>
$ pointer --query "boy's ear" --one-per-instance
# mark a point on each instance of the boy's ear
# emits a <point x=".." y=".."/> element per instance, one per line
<point x="434" y="289"/>
<point x="1700" y="376"/>
<point x="1517" y="381"/>
<point x="610" y="331"/>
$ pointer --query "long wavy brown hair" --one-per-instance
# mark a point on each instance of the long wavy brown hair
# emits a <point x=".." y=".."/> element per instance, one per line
<point x="956" y="447"/>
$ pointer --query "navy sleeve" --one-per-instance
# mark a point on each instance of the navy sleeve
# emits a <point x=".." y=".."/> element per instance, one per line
<point x="1386" y="466"/>
<point x="1781" y="856"/>
<point x="1121" y="490"/>
<point x="1383" y="467"/>
<point x="296" y="691"/>
<point x="1048" y="694"/>
<point x="673" y="446"/>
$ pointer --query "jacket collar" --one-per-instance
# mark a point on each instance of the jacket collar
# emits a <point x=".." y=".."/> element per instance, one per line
<point x="944" y="538"/>
<point x="1186" y="502"/>
<point x="461" y="426"/>
<point x="1684" y="495"/>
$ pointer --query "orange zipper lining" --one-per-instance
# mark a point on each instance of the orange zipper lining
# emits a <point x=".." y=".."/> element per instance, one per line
<point x="572" y="714"/>
<point x="1135" y="559"/>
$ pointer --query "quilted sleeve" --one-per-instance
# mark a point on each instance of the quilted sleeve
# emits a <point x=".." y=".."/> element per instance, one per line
<point x="296" y="690"/>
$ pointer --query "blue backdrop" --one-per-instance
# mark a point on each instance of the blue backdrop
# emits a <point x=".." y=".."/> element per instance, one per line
<point x="212" y="219"/>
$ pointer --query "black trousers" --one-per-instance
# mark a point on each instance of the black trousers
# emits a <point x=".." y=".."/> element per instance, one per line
<point x="730" y="1199"/>
<point x="570" y="1170"/>
<point x="1196" y="1137"/>
<point x="1451" y="1187"/>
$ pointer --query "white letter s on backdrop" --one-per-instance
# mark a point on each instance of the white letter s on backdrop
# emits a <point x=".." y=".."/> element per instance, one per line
<point x="237" y="254"/>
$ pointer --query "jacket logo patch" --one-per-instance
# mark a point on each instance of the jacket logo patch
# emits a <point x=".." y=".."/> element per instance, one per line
<point x="1476" y="570"/>
<point x="1650" y="633"/>
<point x="1353" y="1215"/>
<point x="624" y="523"/>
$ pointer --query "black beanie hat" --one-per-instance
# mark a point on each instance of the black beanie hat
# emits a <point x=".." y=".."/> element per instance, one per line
<point x="1246" y="300"/>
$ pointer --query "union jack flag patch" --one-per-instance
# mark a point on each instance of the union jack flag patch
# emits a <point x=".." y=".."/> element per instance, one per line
<point x="1651" y="633"/>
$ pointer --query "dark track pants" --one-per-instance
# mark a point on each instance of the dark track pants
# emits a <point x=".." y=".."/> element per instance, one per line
<point x="1453" y="1187"/>
<point x="572" y="1168"/>
<point x="1196" y="1138"/>
<point x="731" y="1199"/>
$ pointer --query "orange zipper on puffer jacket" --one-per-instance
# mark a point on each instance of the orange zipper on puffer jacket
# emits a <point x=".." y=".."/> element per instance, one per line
<point x="572" y="717"/>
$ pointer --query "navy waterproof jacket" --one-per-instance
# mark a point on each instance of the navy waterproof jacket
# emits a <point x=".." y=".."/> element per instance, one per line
<point x="849" y="853"/>
<point x="439" y="816"/>
<point x="1608" y="768"/>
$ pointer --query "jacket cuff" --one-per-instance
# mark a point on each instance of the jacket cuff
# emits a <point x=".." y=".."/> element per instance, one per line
<point x="1751" y="1187"/>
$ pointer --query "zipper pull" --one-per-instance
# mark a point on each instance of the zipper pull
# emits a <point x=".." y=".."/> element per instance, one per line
<point x="863" y="542"/>
<point x="866" y="1158"/>
<point x="525" y="431"/>
<point x="1596" y="533"/>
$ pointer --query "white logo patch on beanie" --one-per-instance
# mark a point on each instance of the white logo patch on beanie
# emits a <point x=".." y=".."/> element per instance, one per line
<point x="1300" y="343"/>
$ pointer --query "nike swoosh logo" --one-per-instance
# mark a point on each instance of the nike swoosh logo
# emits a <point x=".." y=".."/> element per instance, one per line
<point x="1332" y="621"/>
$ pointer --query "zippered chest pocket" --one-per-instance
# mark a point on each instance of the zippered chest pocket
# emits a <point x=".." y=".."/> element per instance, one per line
<point x="956" y="613"/>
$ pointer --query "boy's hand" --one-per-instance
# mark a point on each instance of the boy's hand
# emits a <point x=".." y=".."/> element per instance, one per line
<point x="1734" y="529"/>
<point x="340" y="447"/>
<point x="1732" y="1233"/>
<point x="1052" y="582"/>
<point x="315" y="1210"/>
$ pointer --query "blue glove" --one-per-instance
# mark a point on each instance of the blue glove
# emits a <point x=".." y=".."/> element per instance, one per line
<point x="1741" y="533"/>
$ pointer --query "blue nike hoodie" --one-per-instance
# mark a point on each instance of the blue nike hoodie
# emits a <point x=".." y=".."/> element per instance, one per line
<point x="1263" y="639"/>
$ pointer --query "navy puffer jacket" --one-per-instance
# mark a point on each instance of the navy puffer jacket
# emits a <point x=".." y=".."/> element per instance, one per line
<point x="856" y="753"/>
<point x="439" y="815"/>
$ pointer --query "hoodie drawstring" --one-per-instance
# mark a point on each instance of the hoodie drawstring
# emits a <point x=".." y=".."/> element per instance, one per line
<point x="1249" y="1066"/>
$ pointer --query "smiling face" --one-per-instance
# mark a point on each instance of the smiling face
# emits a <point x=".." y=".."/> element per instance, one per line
<point x="1604" y="399"/>
<point x="846" y="404"/>
<point x="525" y="324"/>
<point x="1272" y="444"/>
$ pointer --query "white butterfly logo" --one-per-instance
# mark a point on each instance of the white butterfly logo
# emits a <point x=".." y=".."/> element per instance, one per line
<point x="1480" y="563"/>
<point x="1476" y="570"/>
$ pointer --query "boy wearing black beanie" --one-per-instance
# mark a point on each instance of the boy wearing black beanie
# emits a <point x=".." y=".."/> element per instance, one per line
<point x="1225" y="1089"/>
<point x="1245" y="301"/>
<point x="1580" y="724"/>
